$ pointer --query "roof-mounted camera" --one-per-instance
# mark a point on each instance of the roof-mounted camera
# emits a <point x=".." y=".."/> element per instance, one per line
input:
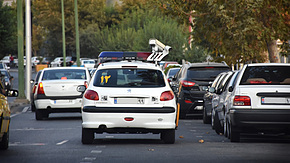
<point x="159" y="50"/>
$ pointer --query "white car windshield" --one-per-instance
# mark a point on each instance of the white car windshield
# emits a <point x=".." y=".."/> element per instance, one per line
<point x="63" y="74"/>
<point x="129" y="78"/>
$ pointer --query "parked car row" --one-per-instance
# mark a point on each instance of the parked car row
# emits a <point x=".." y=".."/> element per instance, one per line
<point x="254" y="100"/>
<point x="132" y="97"/>
<point x="190" y="83"/>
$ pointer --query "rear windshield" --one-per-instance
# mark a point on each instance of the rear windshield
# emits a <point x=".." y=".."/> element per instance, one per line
<point x="205" y="73"/>
<point x="129" y="78"/>
<point x="266" y="75"/>
<point x="63" y="74"/>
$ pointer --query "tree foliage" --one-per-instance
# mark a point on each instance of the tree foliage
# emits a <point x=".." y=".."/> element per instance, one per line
<point x="139" y="24"/>
<point x="235" y="29"/>
<point x="47" y="14"/>
<point x="8" y="26"/>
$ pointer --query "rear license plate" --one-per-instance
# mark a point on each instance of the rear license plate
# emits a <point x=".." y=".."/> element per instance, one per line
<point x="63" y="101"/>
<point x="275" y="100"/>
<point x="129" y="100"/>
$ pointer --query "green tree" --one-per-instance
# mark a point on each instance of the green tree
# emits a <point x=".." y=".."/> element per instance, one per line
<point x="234" y="28"/>
<point x="8" y="29"/>
<point x="47" y="15"/>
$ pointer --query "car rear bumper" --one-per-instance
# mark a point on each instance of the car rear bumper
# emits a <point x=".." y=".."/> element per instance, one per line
<point x="58" y="104"/>
<point x="139" y="120"/>
<point x="260" y="118"/>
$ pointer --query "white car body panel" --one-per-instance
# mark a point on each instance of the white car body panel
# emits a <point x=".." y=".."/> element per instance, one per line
<point x="108" y="96"/>
<point x="58" y="92"/>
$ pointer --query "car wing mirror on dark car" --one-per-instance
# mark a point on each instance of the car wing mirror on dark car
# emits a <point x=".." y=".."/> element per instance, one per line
<point x="12" y="93"/>
<point x="81" y="88"/>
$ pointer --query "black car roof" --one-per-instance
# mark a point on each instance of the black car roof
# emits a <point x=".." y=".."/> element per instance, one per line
<point x="207" y="64"/>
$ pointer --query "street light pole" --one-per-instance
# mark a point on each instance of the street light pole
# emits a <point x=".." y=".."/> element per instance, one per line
<point x="63" y="34"/>
<point x="77" y="33"/>
<point x="28" y="48"/>
<point x="20" y="48"/>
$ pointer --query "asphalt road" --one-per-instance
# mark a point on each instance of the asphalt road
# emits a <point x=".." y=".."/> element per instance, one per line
<point x="58" y="139"/>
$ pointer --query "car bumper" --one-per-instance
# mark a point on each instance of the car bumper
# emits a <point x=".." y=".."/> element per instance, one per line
<point x="260" y="118"/>
<point x="58" y="104"/>
<point x="140" y="120"/>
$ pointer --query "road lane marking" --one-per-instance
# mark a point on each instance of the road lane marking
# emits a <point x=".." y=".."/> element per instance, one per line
<point x="31" y="144"/>
<point x="96" y="151"/>
<point x="62" y="142"/>
<point x="13" y="115"/>
<point x="25" y="109"/>
<point x="89" y="158"/>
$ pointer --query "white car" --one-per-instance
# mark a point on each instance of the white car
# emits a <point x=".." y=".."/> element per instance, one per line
<point x="57" y="62"/>
<point x="35" y="60"/>
<point x="57" y="90"/>
<point x="4" y="66"/>
<point x="260" y="101"/>
<point x="88" y="63"/>
<point x="129" y="97"/>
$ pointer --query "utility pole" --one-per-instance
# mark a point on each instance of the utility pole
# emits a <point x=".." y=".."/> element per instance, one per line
<point x="20" y="49"/>
<point x="63" y="34"/>
<point x="77" y="33"/>
<point x="28" y="48"/>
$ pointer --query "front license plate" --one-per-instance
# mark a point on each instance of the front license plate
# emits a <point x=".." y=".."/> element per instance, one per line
<point x="129" y="100"/>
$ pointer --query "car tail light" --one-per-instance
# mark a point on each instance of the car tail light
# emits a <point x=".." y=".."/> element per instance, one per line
<point x="242" y="101"/>
<point x="188" y="101"/>
<point x="40" y="88"/>
<point x="166" y="96"/>
<point x="186" y="83"/>
<point x="86" y="84"/>
<point x="91" y="95"/>
<point x="33" y="89"/>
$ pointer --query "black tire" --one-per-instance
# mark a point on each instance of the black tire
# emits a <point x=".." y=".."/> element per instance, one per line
<point x="5" y="141"/>
<point x="225" y="127"/>
<point x="41" y="114"/>
<point x="206" y="119"/>
<point x="87" y="136"/>
<point x="234" y="135"/>
<point x="168" y="136"/>
<point x="217" y="125"/>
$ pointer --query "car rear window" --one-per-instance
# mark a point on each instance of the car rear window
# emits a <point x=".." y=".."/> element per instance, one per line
<point x="129" y="78"/>
<point x="63" y="74"/>
<point x="205" y="73"/>
<point x="266" y="75"/>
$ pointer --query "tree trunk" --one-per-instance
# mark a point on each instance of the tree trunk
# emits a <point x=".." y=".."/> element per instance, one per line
<point x="273" y="51"/>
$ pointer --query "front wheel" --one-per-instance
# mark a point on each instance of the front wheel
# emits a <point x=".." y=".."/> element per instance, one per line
<point x="217" y="125"/>
<point x="87" y="136"/>
<point x="168" y="136"/>
<point x="206" y="119"/>
<point x="5" y="141"/>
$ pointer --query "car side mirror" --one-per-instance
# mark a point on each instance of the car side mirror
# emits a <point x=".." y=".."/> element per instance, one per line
<point x="31" y="81"/>
<point x="81" y="88"/>
<point x="12" y="93"/>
